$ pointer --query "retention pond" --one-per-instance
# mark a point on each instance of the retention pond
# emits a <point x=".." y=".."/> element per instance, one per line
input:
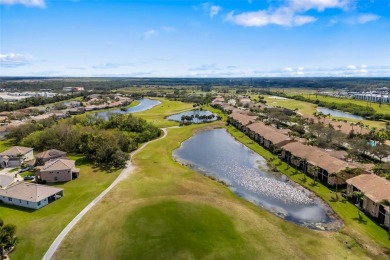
<point x="338" y="113"/>
<point x="216" y="153"/>
<point x="194" y="116"/>
<point x="144" y="104"/>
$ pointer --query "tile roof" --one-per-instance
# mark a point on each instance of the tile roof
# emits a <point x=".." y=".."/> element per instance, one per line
<point x="14" y="151"/>
<point x="50" y="154"/>
<point x="373" y="186"/>
<point x="58" y="165"/>
<point x="268" y="132"/>
<point x="316" y="156"/>
<point x="29" y="191"/>
<point x="243" y="119"/>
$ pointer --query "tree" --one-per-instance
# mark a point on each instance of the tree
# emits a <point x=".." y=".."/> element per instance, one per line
<point x="8" y="240"/>
<point x="386" y="203"/>
<point x="359" y="196"/>
<point x="337" y="183"/>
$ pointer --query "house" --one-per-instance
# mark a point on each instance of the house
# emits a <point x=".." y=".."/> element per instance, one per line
<point x="15" y="156"/>
<point x="316" y="162"/>
<point x="375" y="190"/>
<point x="267" y="136"/>
<point x="240" y="121"/>
<point x="48" y="155"/>
<point x="30" y="195"/>
<point x="58" y="170"/>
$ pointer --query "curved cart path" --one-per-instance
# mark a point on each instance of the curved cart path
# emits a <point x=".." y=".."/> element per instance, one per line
<point x="129" y="168"/>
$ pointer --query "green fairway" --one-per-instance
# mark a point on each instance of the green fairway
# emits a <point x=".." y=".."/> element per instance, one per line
<point x="153" y="213"/>
<point x="37" y="229"/>
<point x="201" y="230"/>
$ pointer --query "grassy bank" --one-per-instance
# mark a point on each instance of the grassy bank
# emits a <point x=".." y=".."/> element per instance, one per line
<point x="37" y="229"/>
<point x="167" y="211"/>
<point x="363" y="229"/>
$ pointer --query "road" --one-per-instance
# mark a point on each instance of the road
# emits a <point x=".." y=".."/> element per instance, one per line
<point x="129" y="168"/>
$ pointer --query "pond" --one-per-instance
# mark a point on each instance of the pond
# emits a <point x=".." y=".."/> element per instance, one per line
<point x="197" y="116"/>
<point x="338" y="113"/>
<point x="216" y="153"/>
<point x="144" y="104"/>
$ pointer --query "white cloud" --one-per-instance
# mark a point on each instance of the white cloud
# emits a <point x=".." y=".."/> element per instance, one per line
<point x="14" y="60"/>
<point x="150" y="33"/>
<point x="366" y="18"/>
<point x="290" y="13"/>
<point x="210" y="9"/>
<point x="282" y="16"/>
<point x="29" y="3"/>
<point x="319" y="5"/>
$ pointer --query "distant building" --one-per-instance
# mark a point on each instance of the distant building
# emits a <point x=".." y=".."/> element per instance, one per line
<point x="73" y="89"/>
<point x="372" y="97"/>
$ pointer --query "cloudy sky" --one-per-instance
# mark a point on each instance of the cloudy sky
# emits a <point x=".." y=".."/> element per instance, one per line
<point x="167" y="38"/>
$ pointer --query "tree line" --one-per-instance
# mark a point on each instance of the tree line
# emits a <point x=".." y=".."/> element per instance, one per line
<point x="103" y="141"/>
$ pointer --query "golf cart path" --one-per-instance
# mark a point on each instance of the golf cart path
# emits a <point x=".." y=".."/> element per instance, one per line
<point x="129" y="168"/>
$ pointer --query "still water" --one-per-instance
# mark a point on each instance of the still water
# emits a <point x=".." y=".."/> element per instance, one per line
<point x="216" y="153"/>
<point x="195" y="112"/>
<point x="144" y="104"/>
<point x="338" y="113"/>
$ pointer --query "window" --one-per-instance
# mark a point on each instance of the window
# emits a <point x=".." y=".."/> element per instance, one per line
<point x="39" y="203"/>
<point x="55" y="178"/>
<point x="10" y="199"/>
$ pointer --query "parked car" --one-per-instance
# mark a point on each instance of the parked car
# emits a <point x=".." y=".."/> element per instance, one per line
<point x="29" y="178"/>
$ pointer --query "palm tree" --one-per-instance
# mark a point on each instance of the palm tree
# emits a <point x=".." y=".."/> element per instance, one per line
<point x="359" y="196"/>
<point x="337" y="182"/>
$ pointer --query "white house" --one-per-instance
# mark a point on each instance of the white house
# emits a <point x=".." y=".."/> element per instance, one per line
<point x="15" y="156"/>
<point x="30" y="195"/>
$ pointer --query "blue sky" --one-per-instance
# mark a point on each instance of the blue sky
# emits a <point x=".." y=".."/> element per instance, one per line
<point x="156" y="38"/>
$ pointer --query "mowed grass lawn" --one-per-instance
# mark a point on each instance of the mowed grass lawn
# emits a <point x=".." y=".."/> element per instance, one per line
<point x="37" y="229"/>
<point x="167" y="211"/>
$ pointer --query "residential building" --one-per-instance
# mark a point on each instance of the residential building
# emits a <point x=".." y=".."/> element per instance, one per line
<point x="240" y="121"/>
<point x="316" y="162"/>
<point x="267" y="136"/>
<point x="15" y="156"/>
<point x="58" y="170"/>
<point x="48" y="155"/>
<point x="375" y="190"/>
<point x="30" y="195"/>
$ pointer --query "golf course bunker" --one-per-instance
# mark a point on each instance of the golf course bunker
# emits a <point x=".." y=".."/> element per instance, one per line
<point x="194" y="116"/>
<point x="216" y="153"/>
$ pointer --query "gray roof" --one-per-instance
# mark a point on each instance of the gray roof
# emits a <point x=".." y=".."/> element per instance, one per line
<point x="14" y="151"/>
<point x="29" y="191"/>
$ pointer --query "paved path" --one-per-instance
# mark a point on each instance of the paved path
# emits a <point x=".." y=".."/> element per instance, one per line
<point x="125" y="172"/>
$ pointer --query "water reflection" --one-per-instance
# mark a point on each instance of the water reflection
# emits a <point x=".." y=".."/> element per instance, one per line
<point x="144" y="104"/>
<point x="216" y="153"/>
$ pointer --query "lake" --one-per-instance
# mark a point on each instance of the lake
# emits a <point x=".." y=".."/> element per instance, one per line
<point x="144" y="104"/>
<point x="216" y="153"/>
<point x="177" y="117"/>
<point x="338" y="113"/>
